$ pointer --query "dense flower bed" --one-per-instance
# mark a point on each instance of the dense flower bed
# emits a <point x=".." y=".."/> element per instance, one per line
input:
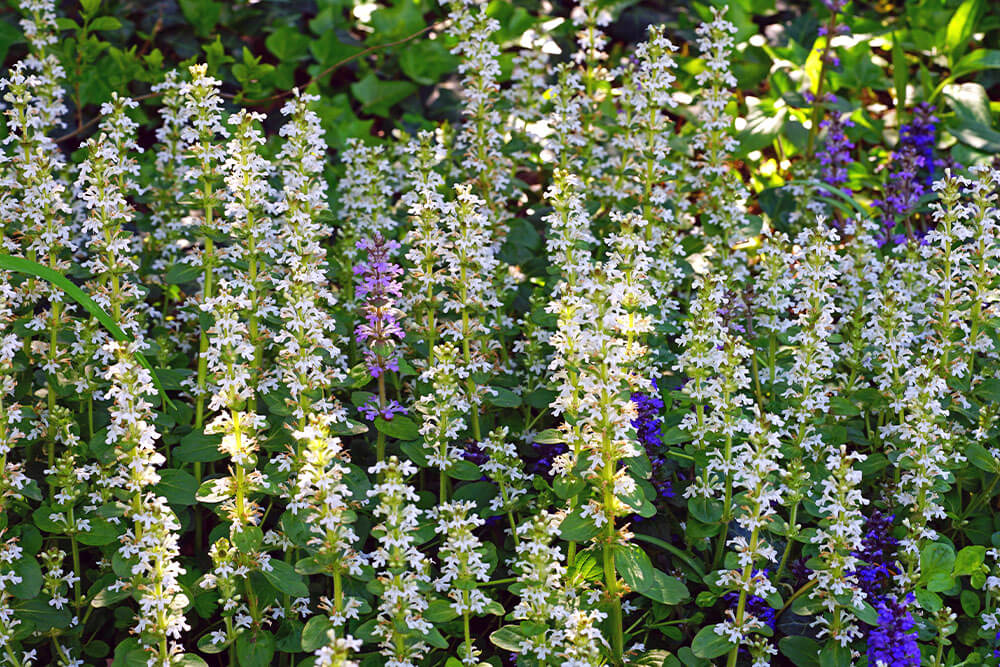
<point x="566" y="382"/>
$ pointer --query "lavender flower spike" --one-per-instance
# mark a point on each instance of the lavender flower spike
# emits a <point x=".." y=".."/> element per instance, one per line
<point x="377" y="284"/>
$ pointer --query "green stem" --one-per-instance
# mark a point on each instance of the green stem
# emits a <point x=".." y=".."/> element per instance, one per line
<point x="790" y="534"/>
<point x="611" y="584"/>
<point x="380" y="438"/>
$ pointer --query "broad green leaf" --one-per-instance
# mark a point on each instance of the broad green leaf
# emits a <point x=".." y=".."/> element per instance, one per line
<point x="502" y="397"/>
<point x="969" y="561"/>
<point x="465" y="470"/>
<point x="248" y="539"/>
<point x="708" y="644"/>
<point x="399" y="427"/>
<point x="509" y="638"/>
<point x="284" y="577"/>
<point x="935" y="559"/>
<point x="202" y="14"/>
<point x="287" y="43"/>
<point x="30" y="572"/>
<point x="177" y="486"/>
<point x="634" y="566"/>
<point x="577" y="528"/>
<point x="440" y="611"/>
<point x="426" y="61"/>
<point x="706" y="510"/>
<point x="961" y="26"/>
<point x="981" y="458"/>
<point x="549" y="436"/>
<point x="255" y="650"/>
<point x="976" y="61"/>
<point x="105" y="23"/>
<point x="666" y="589"/>
<point x="328" y="50"/>
<point x="377" y="96"/>
<point x="814" y="63"/>
<point x="198" y="447"/>
<point x="314" y="634"/>
<point x="970" y="603"/>
<point x="802" y="651"/>
<point x="44" y="616"/>
<point x="101" y="532"/>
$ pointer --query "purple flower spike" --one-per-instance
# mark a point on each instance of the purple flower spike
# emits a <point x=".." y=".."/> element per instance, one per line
<point x="648" y="426"/>
<point x="913" y="169"/>
<point x="377" y="284"/>
<point x="835" y="156"/>
<point x="894" y="640"/>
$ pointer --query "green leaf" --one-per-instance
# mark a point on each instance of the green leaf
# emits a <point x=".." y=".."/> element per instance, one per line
<point x="842" y="406"/>
<point x="480" y="492"/>
<point x="109" y="598"/>
<point x="255" y="650"/>
<point x="207" y="645"/>
<point x="976" y="61"/>
<point x="835" y="655"/>
<point x="396" y="22"/>
<point x="10" y="34"/>
<point x="502" y="397"/>
<point x="426" y="61"/>
<point x="706" y="510"/>
<point x="436" y="639"/>
<point x="981" y="458"/>
<point x="961" y="26"/>
<point x="101" y="532"/>
<point x="249" y="539"/>
<point x="971" y="103"/>
<point x="509" y="638"/>
<point x="802" y="651"/>
<point x="377" y="96"/>
<point x="465" y="470"/>
<point x="666" y="589"/>
<point x="399" y="427"/>
<point x="549" y="436"/>
<point x="638" y="502"/>
<point x="969" y="561"/>
<point x="567" y="487"/>
<point x="867" y="614"/>
<point x="328" y="50"/>
<point x="172" y="377"/>
<point x="709" y="645"/>
<point x="43" y="616"/>
<point x="198" y="447"/>
<point x="639" y="574"/>
<point x="283" y="577"/>
<point x="207" y="492"/>
<point x="814" y="63"/>
<point x="202" y="14"/>
<point x="935" y="559"/>
<point x="26" y="266"/>
<point x="287" y="43"/>
<point x="177" y="486"/>
<point x="970" y="603"/>
<point x="577" y="528"/>
<point x="27" y="568"/>
<point x="105" y="23"/>
<point x="314" y="634"/>
<point x="634" y="566"/>
<point x="440" y="611"/>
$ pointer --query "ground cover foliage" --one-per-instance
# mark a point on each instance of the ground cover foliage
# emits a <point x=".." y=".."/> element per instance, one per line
<point x="480" y="333"/>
